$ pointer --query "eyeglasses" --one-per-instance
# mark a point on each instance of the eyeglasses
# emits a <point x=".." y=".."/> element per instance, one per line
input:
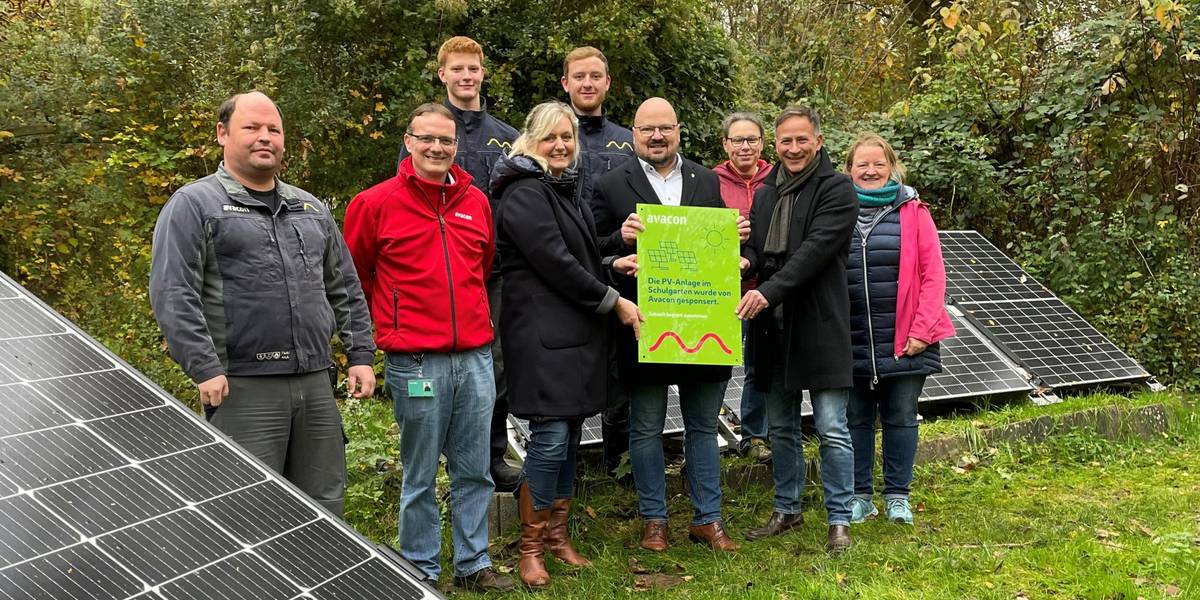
<point x="649" y="130"/>
<point x="752" y="141"/>
<point x="428" y="140"/>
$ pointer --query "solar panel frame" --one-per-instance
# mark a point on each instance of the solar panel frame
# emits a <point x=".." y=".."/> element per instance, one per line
<point x="121" y="486"/>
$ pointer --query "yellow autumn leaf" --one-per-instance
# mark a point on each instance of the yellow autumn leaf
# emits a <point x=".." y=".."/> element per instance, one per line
<point x="379" y="107"/>
<point x="139" y="41"/>
<point x="950" y="16"/>
<point x="4" y="135"/>
<point x="376" y="134"/>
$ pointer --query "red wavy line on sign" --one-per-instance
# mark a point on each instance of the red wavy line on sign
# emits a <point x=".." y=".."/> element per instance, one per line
<point x="694" y="349"/>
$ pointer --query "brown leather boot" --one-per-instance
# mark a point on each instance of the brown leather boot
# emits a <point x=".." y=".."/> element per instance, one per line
<point x="654" y="535"/>
<point x="838" y="540"/>
<point x="530" y="566"/>
<point x="555" y="538"/>
<point x="713" y="534"/>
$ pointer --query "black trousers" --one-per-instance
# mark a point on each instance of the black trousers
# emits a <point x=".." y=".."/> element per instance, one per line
<point x="499" y="432"/>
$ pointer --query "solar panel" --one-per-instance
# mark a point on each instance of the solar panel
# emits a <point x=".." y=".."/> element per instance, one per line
<point x="1054" y="342"/>
<point x="592" y="433"/>
<point x="109" y="488"/>
<point x="737" y="384"/>
<point x="971" y="367"/>
<point x="978" y="271"/>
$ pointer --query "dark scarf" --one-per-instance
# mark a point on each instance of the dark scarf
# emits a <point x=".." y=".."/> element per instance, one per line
<point x="788" y="184"/>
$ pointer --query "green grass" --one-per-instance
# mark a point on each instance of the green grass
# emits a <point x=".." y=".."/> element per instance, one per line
<point x="1076" y="517"/>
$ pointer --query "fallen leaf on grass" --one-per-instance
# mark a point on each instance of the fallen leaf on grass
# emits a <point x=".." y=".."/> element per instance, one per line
<point x="636" y="567"/>
<point x="1172" y="590"/>
<point x="989" y="585"/>
<point x="591" y="512"/>
<point x="1020" y="596"/>
<point x="504" y="569"/>
<point x="966" y="463"/>
<point x="1142" y="528"/>
<point x="657" y="581"/>
<point x="841" y="580"/>
<point x="1104" y="534"/>
<point x="1140" y="581"/>
<point x="920" y="507"/>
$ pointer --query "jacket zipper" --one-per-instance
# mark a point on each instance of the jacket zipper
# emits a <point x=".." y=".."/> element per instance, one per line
<point x="449" y="273"/>
<point x="867" y="293"/>
<point x="274" y="234"/>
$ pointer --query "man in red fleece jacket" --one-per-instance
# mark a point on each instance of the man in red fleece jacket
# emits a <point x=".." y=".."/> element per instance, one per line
<point x="423" y="244"/>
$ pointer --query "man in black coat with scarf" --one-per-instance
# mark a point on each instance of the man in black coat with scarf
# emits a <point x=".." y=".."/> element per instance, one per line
<point x="659" y="175"/>
<point x="802" y="220"/>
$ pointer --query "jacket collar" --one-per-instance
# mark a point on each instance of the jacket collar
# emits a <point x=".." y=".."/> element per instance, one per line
<point x="592" y="124"/>
<point x="726" y="171"/>
<point x="635" y="175"/>
<point x="288" y="195"/>
<point x="471" y="120"/>
<point x="458" y="181"/>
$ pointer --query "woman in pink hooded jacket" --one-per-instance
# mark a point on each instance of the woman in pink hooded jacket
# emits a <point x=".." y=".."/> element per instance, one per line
<point x="897" y="284"/>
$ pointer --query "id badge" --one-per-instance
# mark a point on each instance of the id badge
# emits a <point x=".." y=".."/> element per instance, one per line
<point x="420" y="388"/>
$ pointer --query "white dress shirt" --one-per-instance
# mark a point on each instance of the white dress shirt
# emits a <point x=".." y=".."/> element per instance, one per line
<point x="669" y="189"/>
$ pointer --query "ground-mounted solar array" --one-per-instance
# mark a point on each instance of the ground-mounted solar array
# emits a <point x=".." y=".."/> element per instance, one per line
<point x="109" y="488"/>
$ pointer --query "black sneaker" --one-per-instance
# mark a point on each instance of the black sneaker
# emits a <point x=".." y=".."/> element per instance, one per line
<point x="505" y="476"/>
<point x="484" y="580"/>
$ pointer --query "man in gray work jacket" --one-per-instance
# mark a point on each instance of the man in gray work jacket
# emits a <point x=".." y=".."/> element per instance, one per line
<point x="249" y="279"/>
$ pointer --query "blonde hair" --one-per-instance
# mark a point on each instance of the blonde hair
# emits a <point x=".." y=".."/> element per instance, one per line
<point x="870" y="138"/>
<point x="538" y="124"/>
<point x="581" y="53"/>
<point x="459" y="44"/>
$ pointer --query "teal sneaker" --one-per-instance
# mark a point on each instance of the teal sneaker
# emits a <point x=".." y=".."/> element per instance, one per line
<point x="899" y="511"/>
<point x="861" y="509"/>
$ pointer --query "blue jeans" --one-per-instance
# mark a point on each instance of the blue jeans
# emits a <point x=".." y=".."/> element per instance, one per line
<point x="895" y="401"/>
<point x="787" y="449"/>
<point x="454" y="421"/>
<point x="700" y="403"/>
<point x="550" y="460"/>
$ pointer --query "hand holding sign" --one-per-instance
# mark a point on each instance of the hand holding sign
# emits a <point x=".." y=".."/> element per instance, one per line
<point x="631" y="228"/>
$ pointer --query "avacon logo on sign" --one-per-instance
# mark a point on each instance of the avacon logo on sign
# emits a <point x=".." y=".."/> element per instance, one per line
<point x="666" y="219"/>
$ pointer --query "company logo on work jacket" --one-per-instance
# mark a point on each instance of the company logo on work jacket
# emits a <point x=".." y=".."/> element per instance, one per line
<point x="619" y="145"/>
<point x="496" y="142"/>
<point x="232" y="208"/>
<point x="277" y="355"/>
<point x="464" y="216"/>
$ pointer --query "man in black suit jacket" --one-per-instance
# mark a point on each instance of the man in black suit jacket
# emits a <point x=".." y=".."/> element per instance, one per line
<point x="659" y="175"/>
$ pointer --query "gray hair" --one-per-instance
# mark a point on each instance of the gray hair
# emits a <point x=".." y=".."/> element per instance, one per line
<point x="742" y="116"/>
<point x="797" y="110"/>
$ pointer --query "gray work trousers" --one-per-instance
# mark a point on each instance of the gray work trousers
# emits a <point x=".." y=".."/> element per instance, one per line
<point x="291" y="423"/>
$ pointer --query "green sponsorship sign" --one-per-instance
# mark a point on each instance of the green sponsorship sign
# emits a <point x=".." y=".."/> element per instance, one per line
<point x="689" y="285"/>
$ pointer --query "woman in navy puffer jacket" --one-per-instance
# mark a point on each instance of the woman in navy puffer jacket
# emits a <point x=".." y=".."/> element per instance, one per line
<point x="897" y="287"/>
